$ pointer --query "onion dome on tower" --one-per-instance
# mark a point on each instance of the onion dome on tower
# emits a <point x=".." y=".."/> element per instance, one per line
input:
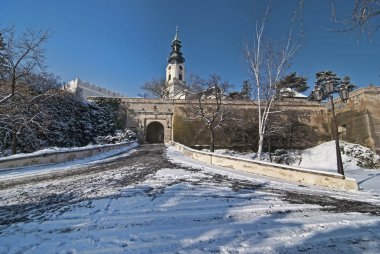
<point x="176" y="54"/>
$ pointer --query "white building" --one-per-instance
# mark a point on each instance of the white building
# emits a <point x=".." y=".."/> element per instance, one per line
<point x="175" y="71"/>
<point x="86" y="89"/>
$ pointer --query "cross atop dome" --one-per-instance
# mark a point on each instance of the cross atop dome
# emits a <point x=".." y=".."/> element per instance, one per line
<point x="176" y="37"/>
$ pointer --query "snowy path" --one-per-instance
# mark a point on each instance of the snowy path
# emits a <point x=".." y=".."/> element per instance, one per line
<point x="144" y="203"/>
<point x="12" y="173"/>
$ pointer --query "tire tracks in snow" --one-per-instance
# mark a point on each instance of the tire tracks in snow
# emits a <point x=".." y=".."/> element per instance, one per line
<point x="125" y="205"/>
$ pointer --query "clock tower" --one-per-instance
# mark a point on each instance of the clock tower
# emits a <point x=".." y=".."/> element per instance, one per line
<point x="175" y="71"/>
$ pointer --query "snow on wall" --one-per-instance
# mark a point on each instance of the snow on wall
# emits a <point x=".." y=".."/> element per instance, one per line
<point x="49" y="156"/>
<point x="288" y="173"/>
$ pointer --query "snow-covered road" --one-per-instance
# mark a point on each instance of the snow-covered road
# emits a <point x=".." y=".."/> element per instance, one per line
<point x="142" y="202"/>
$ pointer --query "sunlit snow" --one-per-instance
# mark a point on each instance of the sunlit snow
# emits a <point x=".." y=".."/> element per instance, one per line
<point x="189" y="207"/>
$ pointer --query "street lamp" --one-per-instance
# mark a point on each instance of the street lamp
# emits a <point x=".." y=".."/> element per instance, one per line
<point x="344" y="91"/>
<point x="327" y="89"/>
<point x="318" y="93"/>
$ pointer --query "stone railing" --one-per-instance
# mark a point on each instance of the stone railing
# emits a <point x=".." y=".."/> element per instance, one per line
<point x="59" y="156"/>
<point x="288" y="173"/>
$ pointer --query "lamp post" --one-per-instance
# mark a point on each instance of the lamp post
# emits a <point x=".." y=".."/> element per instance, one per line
<point x="327" y="89"/>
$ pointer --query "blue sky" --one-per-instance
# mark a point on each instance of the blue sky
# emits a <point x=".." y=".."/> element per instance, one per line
<point x="120" y="44"/>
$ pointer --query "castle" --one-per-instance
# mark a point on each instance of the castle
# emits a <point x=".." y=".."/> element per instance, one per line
<point x="87" y="89"/>
<point x="305" y="123"/>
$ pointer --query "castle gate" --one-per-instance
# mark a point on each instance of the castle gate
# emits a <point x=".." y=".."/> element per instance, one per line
<point x="151" y="119"/>
<point x="155" y="133"/>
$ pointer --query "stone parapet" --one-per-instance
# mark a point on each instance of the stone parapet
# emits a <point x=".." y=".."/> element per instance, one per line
<point x="58" y="157"/>
<point x="288" y="173"/>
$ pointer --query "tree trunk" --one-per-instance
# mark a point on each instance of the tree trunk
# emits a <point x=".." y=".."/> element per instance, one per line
<point x="269" y="149"/>
<point x="14" y="143"/>
<point x="212" y="140"/>
<point x="291" y="136"/>
<point x="260" y="148"/>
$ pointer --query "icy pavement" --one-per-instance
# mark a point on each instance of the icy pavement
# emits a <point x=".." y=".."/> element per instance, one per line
<point x="144" y="203"/>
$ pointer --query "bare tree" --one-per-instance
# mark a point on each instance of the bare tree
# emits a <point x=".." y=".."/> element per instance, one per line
<point x="155" y="88"/>
<point x="208" y="104"/>
<point x="268" y="62"/>
<point x="43" y="81"/>
<point x="2" y="60"/>
<point x="21" y="57"/>
<point x="364" y="16"/>
<point x="22" y="113"/>
<point x="159" y="88"/>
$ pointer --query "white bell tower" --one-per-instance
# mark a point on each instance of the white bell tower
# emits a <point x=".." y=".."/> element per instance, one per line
<point x="175" y="71"/>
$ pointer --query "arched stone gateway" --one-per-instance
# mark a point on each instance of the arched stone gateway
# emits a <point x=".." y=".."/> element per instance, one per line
<point x="155" y="133"/>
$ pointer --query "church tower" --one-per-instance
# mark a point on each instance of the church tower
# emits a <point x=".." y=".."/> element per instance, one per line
<point x="175" y="71"/>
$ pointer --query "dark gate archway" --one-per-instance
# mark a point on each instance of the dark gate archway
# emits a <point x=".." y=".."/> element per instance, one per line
<point x="155" y="133"/>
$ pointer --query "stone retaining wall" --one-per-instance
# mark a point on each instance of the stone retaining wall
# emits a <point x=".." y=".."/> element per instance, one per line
<point x="57" y="157"/>
<point x="288" y="173"/>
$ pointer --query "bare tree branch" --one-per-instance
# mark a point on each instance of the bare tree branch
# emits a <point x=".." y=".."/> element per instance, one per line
<point x="268" y="62"/>
<point x="209" y="104"/>
<point x="155" y="88"/>
<point x="21" y="57"/>
<point x="363" y="18"/>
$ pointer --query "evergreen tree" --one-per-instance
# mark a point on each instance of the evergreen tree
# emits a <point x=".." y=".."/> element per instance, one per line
<point x="327" y="77"/>
<point x="246" y="89"/>
<point x="290" y="84"/>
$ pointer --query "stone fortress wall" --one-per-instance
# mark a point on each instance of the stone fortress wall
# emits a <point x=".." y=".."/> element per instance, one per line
<point x="306" y="123"/>
<point x="305" y="127"/>
<point x="309" y="122"/>
<point x="359" y="118"/>
<point x="87" y="89"/>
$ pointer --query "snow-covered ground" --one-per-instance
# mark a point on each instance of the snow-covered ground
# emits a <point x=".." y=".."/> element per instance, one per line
<point x="51" y="150"/>
<point x="7" y="174"/>
<point x="141" y="202"/>
<point x="323" y="157"/>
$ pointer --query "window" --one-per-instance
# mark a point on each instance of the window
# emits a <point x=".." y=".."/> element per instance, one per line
<point x="180" y="76"/>
<point x="180" y="67"/>
<point x="170" y="76"/>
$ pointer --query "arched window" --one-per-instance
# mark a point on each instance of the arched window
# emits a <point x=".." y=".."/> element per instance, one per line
<point x="180" y="67"/>
<point x="170" y="76"/>
<point x="180" y="76"/>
